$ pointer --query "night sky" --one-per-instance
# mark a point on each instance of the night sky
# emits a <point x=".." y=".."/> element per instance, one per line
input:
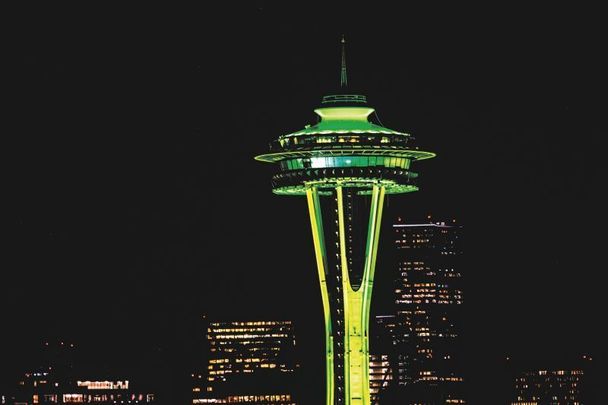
<point x="135" y="205"/>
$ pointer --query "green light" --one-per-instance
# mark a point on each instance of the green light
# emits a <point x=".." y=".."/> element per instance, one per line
<point x="345" y="161"/>
<point x="324" y="185"/>
<point x="344" y="113"/>
<point x="356" y="302"/>
<point x="316" y="222"/>
<point x="351" y="150"/>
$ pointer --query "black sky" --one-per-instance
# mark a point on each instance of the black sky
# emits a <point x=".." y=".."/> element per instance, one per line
<point x="134" y="204"/>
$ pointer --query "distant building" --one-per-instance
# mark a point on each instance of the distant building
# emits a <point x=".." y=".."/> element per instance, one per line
<point x="249" y="362"/>
<point x="45" y="388"/>
<point x="57" y="381"/>
<point x="428" y="300"/>
<point x="560" y="382"/>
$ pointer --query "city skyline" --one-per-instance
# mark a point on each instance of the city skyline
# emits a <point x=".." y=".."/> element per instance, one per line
<point x="131" y="172"/>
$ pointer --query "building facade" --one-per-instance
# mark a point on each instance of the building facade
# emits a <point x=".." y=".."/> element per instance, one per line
<point x="548" y="387"/>
<point x="44" y="388"/>
<point x="381" y="358"/>
<point x="428" y="302"/>
<point x="380" y="376"/>
<point x="249" y="362"/>
<point x="560" y="380"/>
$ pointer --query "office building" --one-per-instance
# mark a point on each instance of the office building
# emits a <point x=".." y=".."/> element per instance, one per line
<point x="249" y="362"/>
<point x="560" y="380"/>
<point x="381" y="358"/>
<point x="428" y="303"/>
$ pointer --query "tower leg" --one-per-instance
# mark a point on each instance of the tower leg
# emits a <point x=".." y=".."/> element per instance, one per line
<point x="357" y="302"/>
<point x="354" y="389"/>
<point x="318" y="236"/>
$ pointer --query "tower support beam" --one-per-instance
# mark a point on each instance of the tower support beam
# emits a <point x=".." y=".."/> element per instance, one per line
<point x="354" y="352"/>
<point x="318" y="236"/>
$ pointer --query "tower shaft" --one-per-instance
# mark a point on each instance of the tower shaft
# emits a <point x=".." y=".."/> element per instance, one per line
<point x="346" y="288"/>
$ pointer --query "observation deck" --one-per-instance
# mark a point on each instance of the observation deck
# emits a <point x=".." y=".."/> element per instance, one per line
<point x="344" y="148"/>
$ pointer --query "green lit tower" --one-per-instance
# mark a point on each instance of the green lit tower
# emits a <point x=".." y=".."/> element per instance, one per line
<point x="345" y="165"/>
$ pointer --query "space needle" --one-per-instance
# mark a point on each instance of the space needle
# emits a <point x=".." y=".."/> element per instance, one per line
<point x="345" y="165"/>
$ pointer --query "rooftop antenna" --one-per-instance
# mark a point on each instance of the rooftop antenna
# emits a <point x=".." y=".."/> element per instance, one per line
<point x="343" y="77"/>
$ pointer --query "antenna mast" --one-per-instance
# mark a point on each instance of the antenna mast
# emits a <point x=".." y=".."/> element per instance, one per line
<point x="343" y="77"/>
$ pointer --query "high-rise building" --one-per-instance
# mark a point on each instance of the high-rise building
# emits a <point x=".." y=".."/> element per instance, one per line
<point x="559" y="381"/>
<point x="345" y="164"/>
<point x="380" y="376"/>
<point x="381" y="357"/>
<point x="249" y="362"/>
<point x="428" y="300"/>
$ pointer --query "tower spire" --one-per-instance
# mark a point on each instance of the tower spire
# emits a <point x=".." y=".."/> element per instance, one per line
<point x="343" y="77"/>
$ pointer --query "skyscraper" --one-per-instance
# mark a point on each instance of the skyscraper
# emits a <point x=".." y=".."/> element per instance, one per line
<point x="345" y="165"/>
<point x="381" y="358"/>
<point x="249" y="362"/>
<point x="428" y="298"/>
